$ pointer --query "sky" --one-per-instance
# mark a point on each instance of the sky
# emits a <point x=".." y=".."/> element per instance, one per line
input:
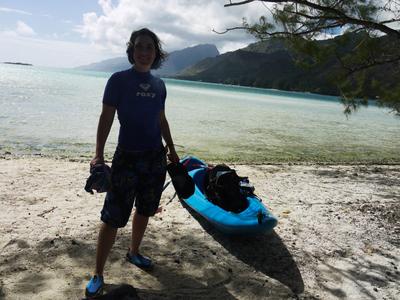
<point x="69" y="33"/>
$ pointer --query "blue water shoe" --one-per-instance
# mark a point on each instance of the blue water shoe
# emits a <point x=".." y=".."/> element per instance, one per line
<point x="139" y="260"/>
<point x="94" y="286"/>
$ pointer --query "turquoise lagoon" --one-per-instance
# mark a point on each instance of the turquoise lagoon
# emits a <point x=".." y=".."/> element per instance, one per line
<point x="54" y="112"/>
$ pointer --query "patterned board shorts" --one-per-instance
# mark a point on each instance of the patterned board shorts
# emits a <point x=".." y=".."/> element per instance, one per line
<point x="137" y="178"/>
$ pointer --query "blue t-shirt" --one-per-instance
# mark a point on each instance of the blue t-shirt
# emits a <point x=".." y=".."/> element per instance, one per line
<point x="139" y="98"/>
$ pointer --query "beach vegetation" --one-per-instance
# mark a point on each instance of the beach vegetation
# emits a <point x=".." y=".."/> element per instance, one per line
<point x="368" y="47"/>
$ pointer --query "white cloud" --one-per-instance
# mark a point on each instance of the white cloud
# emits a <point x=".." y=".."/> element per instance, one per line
<point x="391" y="13"/>
<point x="232" y="46"/>
<point x="179" y="23"/>
<point x="24" y="29"/>
<point x="17" y="11"/>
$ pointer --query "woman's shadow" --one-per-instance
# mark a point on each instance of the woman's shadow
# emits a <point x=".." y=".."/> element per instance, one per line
<point x="266" y="253"/>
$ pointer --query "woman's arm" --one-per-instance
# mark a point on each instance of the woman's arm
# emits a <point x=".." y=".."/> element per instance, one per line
<point x="103" y="129"/>
<point x="166" y="134"/>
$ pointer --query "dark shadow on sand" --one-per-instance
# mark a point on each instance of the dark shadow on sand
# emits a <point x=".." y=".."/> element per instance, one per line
<point x="46" y="253"/>
<point x="266" y="253"/>
<point x="117" y="292"/>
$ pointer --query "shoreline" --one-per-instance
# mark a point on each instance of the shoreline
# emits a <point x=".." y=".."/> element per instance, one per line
<point x="86" y="158"/>
<point x="337" y="237"/>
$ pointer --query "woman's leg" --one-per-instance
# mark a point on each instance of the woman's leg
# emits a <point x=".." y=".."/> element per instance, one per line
<point x="104" y="244"/>
<point x="139" y="224"/>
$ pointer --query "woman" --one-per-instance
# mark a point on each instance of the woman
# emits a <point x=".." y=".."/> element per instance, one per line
<point x="139" y="164"/>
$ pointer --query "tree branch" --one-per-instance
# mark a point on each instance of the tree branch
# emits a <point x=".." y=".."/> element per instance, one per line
<point x="372" y="63"/>
<point x="334" y="12"/>
<point x="230" y="29"/>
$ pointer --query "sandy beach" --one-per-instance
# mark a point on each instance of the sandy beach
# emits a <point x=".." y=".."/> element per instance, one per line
<point x="338" y="237"/>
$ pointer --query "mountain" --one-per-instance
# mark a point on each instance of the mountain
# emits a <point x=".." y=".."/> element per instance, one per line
<point x="181" y="59"/>
<point x="267" y="64"/>
<point x="108" y="65"/>
<point x="272" y="64"/>
<point x="175" y="63"/>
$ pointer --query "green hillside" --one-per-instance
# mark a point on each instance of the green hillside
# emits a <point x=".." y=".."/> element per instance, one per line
<point x="272" y="64"/>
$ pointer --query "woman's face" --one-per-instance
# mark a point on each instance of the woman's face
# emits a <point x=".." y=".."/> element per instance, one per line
<point x="144" y="53"/>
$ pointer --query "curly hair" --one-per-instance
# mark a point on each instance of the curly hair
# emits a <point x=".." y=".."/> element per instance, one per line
<point x="160" y="54"/>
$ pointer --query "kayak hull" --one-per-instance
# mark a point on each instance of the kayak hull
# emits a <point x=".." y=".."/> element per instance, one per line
<point x="255" y="219"/>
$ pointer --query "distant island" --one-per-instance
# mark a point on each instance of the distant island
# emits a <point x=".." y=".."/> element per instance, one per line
<point x="16" y="63"/>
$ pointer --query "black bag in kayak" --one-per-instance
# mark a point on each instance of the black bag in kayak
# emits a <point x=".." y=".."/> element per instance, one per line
<point x="223" y="188"/>
<point x="182" y="182"/>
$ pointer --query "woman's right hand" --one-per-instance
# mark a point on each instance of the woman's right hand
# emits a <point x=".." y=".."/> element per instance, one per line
<point x="97" y="160"/>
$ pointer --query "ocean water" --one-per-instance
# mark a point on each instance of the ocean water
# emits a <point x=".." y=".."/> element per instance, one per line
<point x="54" y="112"/>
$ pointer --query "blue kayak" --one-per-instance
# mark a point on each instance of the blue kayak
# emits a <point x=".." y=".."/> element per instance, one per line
<point x="255" y="219"/>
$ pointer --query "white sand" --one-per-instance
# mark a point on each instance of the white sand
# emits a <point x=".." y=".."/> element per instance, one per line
<point x="338" y="237"/>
